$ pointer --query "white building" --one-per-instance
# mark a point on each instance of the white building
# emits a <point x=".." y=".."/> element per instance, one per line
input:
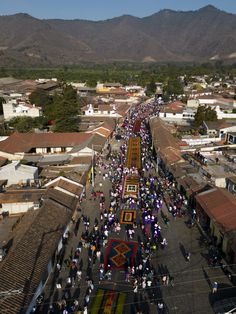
<point x="180" y="117"/>
<point x="211" y="101"/>
<point x="20" y="201"/>
<point x="101" y="110"/>
<point x="16" y="173"/>
<point x="14" y="108"/>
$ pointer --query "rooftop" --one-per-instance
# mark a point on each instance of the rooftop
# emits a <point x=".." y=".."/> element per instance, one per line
<point x="219" y="205"/>
<point x="61" y="198"/>
<point x="66" y="185"/>
<point x="95" y="142"/>
<point x="24" y="142"/>
<point x="21" y="196"/>
<point x="34" y="242"/>
<point x="164" y="142"/>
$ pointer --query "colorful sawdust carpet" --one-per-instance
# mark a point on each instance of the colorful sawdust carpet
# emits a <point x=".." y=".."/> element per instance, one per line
<point x="108" y="302"/>
<point x="128" y="216"/>
<point x="120" y="254"/>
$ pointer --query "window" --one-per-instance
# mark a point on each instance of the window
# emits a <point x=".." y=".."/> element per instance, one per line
<point x="131" y="188"/>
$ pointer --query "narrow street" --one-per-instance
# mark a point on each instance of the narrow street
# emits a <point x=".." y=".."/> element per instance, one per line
<point x="158" y="276"/>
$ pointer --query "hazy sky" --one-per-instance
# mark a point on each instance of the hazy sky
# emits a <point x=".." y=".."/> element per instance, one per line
<point x="104" y="9"/>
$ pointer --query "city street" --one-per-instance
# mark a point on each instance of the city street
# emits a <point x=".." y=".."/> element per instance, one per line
<point x="188" y="287"/>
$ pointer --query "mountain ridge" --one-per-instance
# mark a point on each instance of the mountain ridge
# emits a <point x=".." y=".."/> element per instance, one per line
<point x="165" y="36"/>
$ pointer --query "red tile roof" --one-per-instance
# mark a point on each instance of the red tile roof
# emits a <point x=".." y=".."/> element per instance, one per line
<point x="26" y="263"/>
<point x="219" y="205"/>
<point x="24" y="142"/>
<point x="165" y="143"/>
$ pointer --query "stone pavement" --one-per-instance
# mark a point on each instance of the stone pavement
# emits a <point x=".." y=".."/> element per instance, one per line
<point x="191" y="292"/>
<point x="192" y="280"/>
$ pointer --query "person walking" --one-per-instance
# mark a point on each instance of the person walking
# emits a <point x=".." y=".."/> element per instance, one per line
<point x="188" y="256"/>
<point x="214" y="287"/>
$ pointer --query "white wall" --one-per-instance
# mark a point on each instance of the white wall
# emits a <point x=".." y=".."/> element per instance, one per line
<point x="84" y="152"/>
<point x="16" y="173"/>
<point x="220" y="182"/>
<point x="16" y="208"/>
<point x="9" y="156"/>
<point x="193" y="103"/>
<point x="201" y="141"/>
<point x="171" y="116"/>
<point x="11" y="110"/>
<point x="205" y="101"/>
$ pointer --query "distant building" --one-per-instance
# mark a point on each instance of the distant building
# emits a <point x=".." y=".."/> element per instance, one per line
<point x="13" y="108"/>
<point x="19" y="144"/>
<point x="218" y="128"/>
<point x="16" y="173"/>
<point x="231" y="184"/>
<point x="20" y="201"/>
<point x="101" y="110"/>
<point x="217" y="216"/>
<point x="231" y="138"/>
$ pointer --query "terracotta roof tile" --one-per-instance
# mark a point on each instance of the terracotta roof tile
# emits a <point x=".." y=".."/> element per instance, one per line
<point x="219" y="205"/>
<point x="24" y="142"/>
<point x="27" y="260"/>
<point x="165" y="143"/>
<point x="19" y="196"/>
<point x="61" y="198"/>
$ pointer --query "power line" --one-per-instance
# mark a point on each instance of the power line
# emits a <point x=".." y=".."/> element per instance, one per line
<point x="147" y="288"/>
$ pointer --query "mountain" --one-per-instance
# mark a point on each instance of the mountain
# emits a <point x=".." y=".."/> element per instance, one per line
<point x="202" y="35"/>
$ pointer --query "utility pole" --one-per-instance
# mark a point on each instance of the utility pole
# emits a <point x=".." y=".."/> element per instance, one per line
<point x="92" y="168"/>
<point x="93" y="162"/>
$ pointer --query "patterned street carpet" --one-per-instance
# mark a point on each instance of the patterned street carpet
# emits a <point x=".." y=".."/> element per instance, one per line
<point x="128" y="216"/>
<point x="108" y="302"/>
<point x="120" y="254"/>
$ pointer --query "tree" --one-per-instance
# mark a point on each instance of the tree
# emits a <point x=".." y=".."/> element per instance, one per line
<point x="40" y="97"/>
<point x="91" y="82"/>
<point x="2" y="101"/>
<point x="64" y="110"/>
<point x="26" y="124"/>
<point x="172" y="88"/>
<point x="66" y="124"/>
<point x="204" y="114"/>
<point x="151" y="88"/>
<point x="22" y="124"/>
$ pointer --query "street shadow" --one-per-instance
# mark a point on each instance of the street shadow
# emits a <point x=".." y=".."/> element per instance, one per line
<point x="135" y="307"/>
<point x="161" y="269"/>
<point x="144" y="305"/>
<point x="76" y="294"/>
<point x="207" y="277"/>
<point x="224" y="291"/>
<point x="182" y="249"/>
<point x="81" y="264"/>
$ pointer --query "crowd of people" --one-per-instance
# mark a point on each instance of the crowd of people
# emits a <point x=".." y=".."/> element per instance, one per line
<point x="93" y="236"/>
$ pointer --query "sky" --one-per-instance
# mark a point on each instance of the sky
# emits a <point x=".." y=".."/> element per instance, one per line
<point x="104" y="9"/>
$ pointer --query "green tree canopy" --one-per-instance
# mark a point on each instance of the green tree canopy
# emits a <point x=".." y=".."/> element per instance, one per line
<point x="172" y="88"/>
<point x="151" y="88"/>
<point x="40" y="97"/>
<point x="204" y="114"/>
<point x="2" y="101"/>
<point x="22" y="124"/>
<point x="64" y="110"/>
